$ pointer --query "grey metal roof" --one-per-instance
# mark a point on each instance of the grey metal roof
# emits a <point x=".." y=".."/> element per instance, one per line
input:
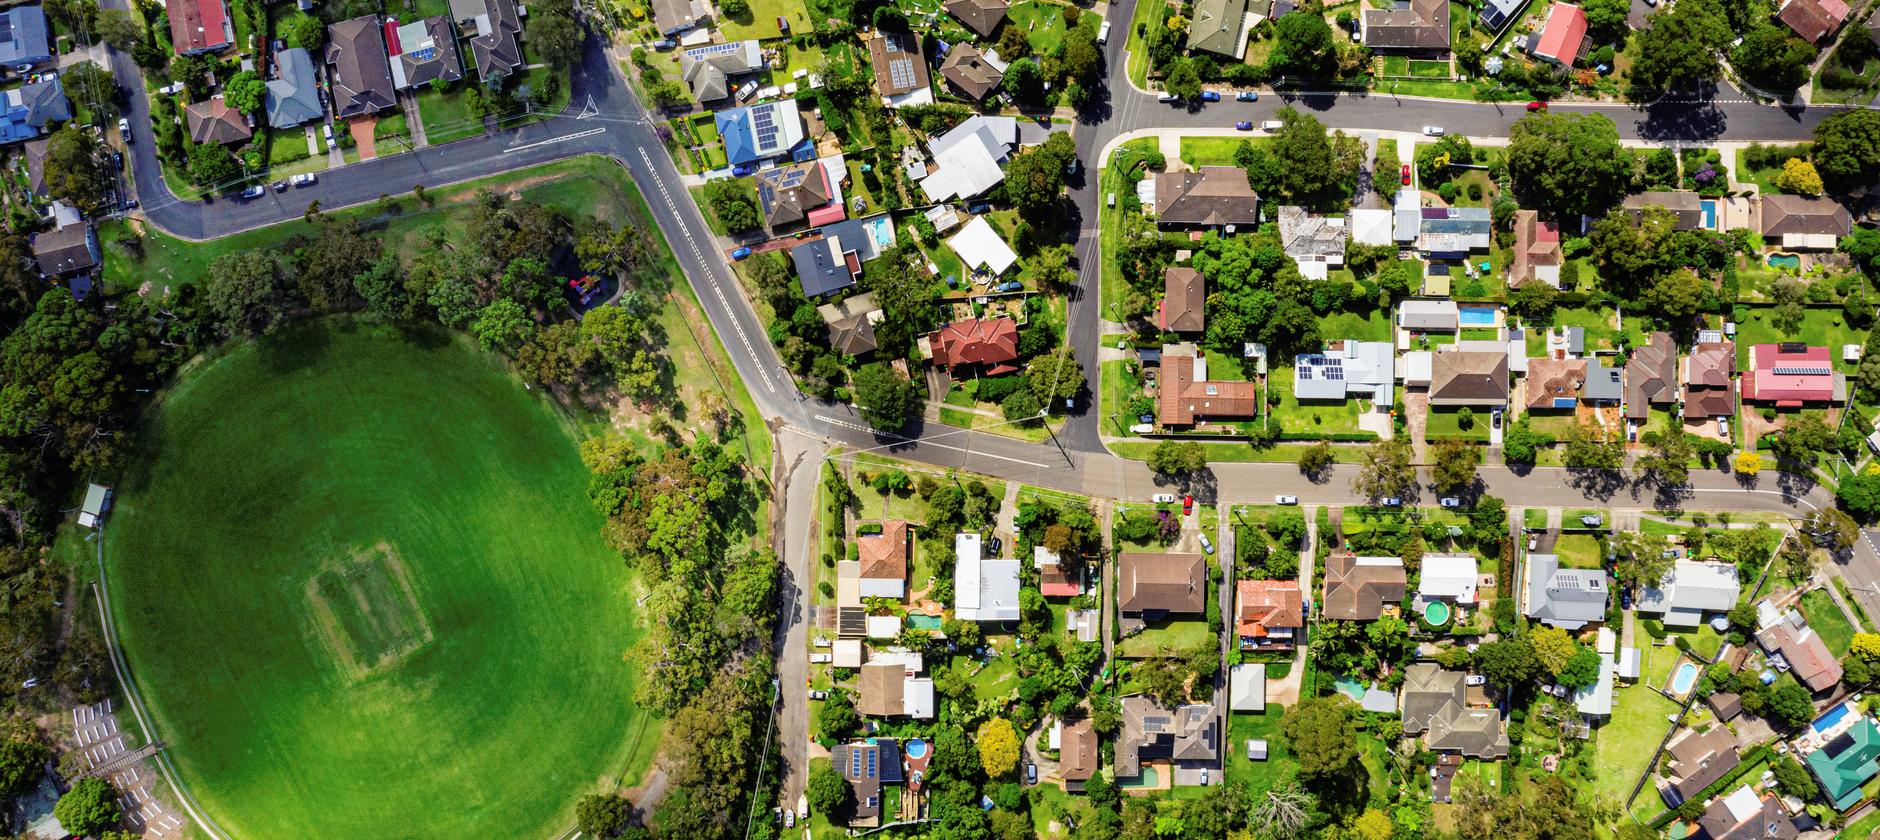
<point x="23" y="37"/>
<point x="294" y="98"/>
<point x="1565" y="598"/>
<point x="1602" y="382"/>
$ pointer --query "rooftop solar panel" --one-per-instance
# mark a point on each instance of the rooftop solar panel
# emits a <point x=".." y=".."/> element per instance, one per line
<point x="6" y="27"/>
<point x="1799" y="370"/>
<point x="901" y="73"/>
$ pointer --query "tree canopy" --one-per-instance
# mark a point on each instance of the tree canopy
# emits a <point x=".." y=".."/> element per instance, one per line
<point x="1568" y="164"/>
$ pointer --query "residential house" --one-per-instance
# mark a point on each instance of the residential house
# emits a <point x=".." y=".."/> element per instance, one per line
<point x="971" y="73"/>
<point x="1055" y="579"/>
<point x="1078" y="754"/>
<point x="1651" y="378"/>
<point x="1448" y="577"/>
<point x="1745" y="815"/>
<point x="1798" y="222"/>
<point x="1537" y="254"/>
<point x="900" y="70"/>
<point x="1554" y="383"/>
<point x="1268" y="613"/>
<point x="1698" y="760"/>
<point x="293" y="95"/>
<point x="792" y="195"/>
<point x="1371" y="226"/>
<point x="1690" y="589"/>
<point x="867" y="766"/>
<point x="1187" y="737"/>
<point x="1452" y="232"/>
<point x="1563" y="39"/>
<point x="1347" y="369"/>
<point x="214" y="121"/>
<point x="1472" y="377"/>
<point x="1594" y="702"/>
<point x="1429" y="316"/>
<point x="851" y="323"/>
<point x="1813" y="20"/>
<point x="492" y="27"/>
<point x="982" y="248"/>
<point x="889" y="689"/>
<point x="1565" y="598"/>
<point x="23" y="42"/>
<point x="1497" y="14"/>
<point x="1184" y="300"/>
<point x="1846" y="763"/>
<point x="987" y="344"/>
<point x="967" y="159"/>
<point x="36" y="151"/>
<point x="1687" y="206"/>
<point x="1358" y="588"/>
<point x="1435" y="705"/>
<point x="761" y="132"/>
<point x="1151" y="586"/>
<point x="424" y="52"/>
<point x="1707" y="373"/>
<point x="1801" y="649"/>
<point x="200" y="26"/>
<point x="1212" y="197"/>
<point x="68" y="249"/>
<point x="676" y="16"/>
<point x="1792" y="375"/>
<point x="710" y="69"/>
<point x="884" y="560"/>
<point x="1186" y="396"/>
<point x="1316" y="243"/>
<point x="1219" y="27"/>
<point x="26" y="111"/>
<point x="981" y="16"/>
<point x="1409" y="26"/>
<point x="984" y="589"/>
<point x="360" y="73"/>
<point x="1246" y="687"/>
<point x="823" y="266"/>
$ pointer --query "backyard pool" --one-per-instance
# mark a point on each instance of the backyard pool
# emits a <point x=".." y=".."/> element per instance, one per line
<point x="919" y="621"/>
<point x="882" y="232"/>
<point x="1150" y="778"/>
<point x="916" y="748"/>
<point x="1686" y="677"/>
<point x="1435" y="613"/>
<point x="1792" y="262"/>
<point x="1709" y="208"/>
<point x="1476" y="316"/>
<point x="1827" y="721"/>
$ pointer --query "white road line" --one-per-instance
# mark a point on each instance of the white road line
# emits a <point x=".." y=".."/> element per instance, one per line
<point x="718" y="291"/>
<point x="562" y="139"/>
<point x="822" y="418"/>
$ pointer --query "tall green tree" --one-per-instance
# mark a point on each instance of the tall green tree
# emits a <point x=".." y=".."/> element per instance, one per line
<point x="75" y="170"/>
<point x="1385" y="471"/>
<point x="1569" y="164"/>
<point x="1847" y="149"/>
<point x="90" y="807"/>
<point x="887" y="399"/>
<point x="1301" y="47"/>
<point x="1773" y="59"/>
<point x="1319" y="732"/>
<point x="1679" y="48"/>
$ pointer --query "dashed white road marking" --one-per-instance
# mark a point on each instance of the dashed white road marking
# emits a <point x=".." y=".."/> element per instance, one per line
<point x="562" y="139"/>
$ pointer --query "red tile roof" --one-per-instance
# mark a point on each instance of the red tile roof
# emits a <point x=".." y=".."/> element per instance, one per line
<point x="1564" y="33"/>
<point x="884" y="555"/>
<point x="992" y="342"/>
<point x="1183" y="399"/>
<point x="198" y="25"/>
<point x="1813" y="20"/>
<point x="1268" y="603"/>
<point x="1791" y="375"/>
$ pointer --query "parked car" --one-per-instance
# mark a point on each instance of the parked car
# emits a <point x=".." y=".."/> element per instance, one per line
<point x="1010" y="286"/>
<point x="1244" y="125"/>
<point x="1723" y="428"/>
<point x="1392" y="501"/>
<point x="1494" y="419"/>
<point x="1210" y="96"/>
<point x="1031" y="773"/>
<point x="743" y="169"/>
<point x="1165" y="96"/>
<point x="281" y="185"/>
<point x="1247" y="96"/>
<point x="305" y="179"/>
<point x="1207" y="545"/>
<point x="1163" y="498"/>
<point x="993" y="545"/>
<point x="1204" y="777"/>
<point x="1450" y="502"/>
<point x="1188" y="505"/>
<point x="1405" y="174"/>
<point x="124" y="129"/>
<point x="1285" y="500"/>
<point x="1433" y="130"/>
<point x="1103" y="33"/>
<point x="255" y="191"/>
<point x="665" y="44"/>
<point x="822" y="642"/>
<point x="818" y="694"/>
<point x="1536" y="106"/>
<point x="328" y="130"/>
<point x="821" y="658"/>
<point x="789" y="819"/>
<point x="1272" y="125"/>
<point x="740" y="253"/>
<point x="1474" y="679"/>
<point x="1591" y="520"/>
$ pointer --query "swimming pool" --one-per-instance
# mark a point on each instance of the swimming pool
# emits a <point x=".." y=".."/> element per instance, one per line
<point x="1476" y="316"/>
<point x="1827" y="721"/>
<point x="1685" y="678"/>
<point x="923" y="622"/>
<point x="1435" y="613"/>
<point x="1148" y="779"/>
<point x="1349" y="687"/>
<point x="1709" y="209"/>
<point x="1790" y="261"/>
<point x="882" y="232"/>
<point x="916" y="748"/>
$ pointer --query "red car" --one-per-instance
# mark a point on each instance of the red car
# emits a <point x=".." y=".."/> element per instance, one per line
<point x="1406" y="174"/>
<point x="1536" y="106"/>
<point x="1188" y="505"/>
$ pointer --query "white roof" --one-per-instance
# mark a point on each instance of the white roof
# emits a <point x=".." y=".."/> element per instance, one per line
<point x="1371" y="227"/>
<point x="95" y="495"/>
<point x="1596" y="699"/>
<point x="908" y="659"/>
<point x="1041" y="556"/>
<point x="1428" y="314"/>
<point x="883" y="626"/>
<point x="1056" y="738"/>
<point x="917" y="698"/>
<point x="1743" y="804"/>
<point x="847" y="653"/>
<point x="1606" y="641"/>
<point x="1416" y="367"/>
<point x="978" y="244"/>
<point x="1628" y="663"/>
<point x="963" y="171"/>
<point x="1314" y="270"/>
<point x="996" y="134"/>
<point x="1247" y="688"/>
<point x="983" y="590"/>
<point x="1449" y="576"/>
<point x="1693" y="586"/>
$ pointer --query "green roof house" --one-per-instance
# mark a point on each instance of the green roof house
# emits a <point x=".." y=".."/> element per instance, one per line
<point x="1219" y="27"/>
<point x="1847" y="762"/>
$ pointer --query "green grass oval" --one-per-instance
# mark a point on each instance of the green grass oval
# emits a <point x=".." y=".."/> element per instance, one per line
<point x="364" y="594"/>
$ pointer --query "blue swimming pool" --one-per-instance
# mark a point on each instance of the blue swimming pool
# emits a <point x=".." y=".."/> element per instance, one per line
<point x="916" y="748"/>
<point x="1790" y="261"/>
<point x="882" y="232"/>
<point x="1685" y="678"/>
<point x="1710" y="214"/>
<point x="1476" y="316"/>
<point x="1827" y="721"/>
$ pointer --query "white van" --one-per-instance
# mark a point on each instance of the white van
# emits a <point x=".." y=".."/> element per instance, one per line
<point x="1168" y="97"/>
<point x="1272" y="125"/>
<point x="1103" y="33"/>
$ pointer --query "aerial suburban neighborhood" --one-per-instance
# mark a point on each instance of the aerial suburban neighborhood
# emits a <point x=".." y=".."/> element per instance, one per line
<point x="954" y="419"/>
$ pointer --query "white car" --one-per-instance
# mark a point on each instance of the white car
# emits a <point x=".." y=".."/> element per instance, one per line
<point x="1165" y="96"/>
<point x="1272" y="125"/>
<point x="1163" y="498"/>
<point x="1103" y="33"/>
<point x="1207" y="545"/>
<point x="124" y="129"/>
<point x="821" y="641"/>
<point x="328" y="128"/>
<point x="818" y="694"/>
<point x="821" y="658"/>
<point x="1450" y="502"/>
<point x="1474" y="679"/>
<point x="1433" y="130"/>
<point x="305" y="179"/>
<point x="1285" y="500"/>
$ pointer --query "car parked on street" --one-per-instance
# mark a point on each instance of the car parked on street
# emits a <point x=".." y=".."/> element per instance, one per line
<point x="818" y="694"/>
<point x="1247" y="96"/>
<point x="1450" y="502"/>
<point x="305" y="179"/>
<point x="1433" y="130"/>
<point x="1244" y="125"/>
<point x="821" y="658"/>
<point x="1536" y="106"/>
<point x="1392" y="501"/>
<point x="124" y="129"/>
<point x="1163" y="498"/>
<point x="1285" y="500"/>
<point x="1210" y="96"/>
<point x="255" y="191"/>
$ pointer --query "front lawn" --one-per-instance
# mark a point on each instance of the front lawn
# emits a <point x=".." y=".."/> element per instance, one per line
<point x="1447" y="423"/>
<point x="1320" y="417"/>
<point x="1578" y="551"/>
<point x="1212" y="151"/>
<point x="1828" y="620"/>
<point x="446" y="117"/>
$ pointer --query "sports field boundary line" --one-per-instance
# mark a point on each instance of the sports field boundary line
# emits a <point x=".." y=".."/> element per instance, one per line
<point x="128" y="687"/>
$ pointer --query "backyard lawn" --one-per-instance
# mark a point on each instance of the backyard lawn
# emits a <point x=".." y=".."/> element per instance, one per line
<point x="762" y="22"/>
<point x="1828" y="620"/>
<point x="1350" y="325"/>
<point x="1279" y="763"/>
<point x="1600" y="333"/>
<point x="1044" y="23"/>
<point x="1167" y="638"/>
<point x="1823" y="327"/>
<point x="1620" y="756"/>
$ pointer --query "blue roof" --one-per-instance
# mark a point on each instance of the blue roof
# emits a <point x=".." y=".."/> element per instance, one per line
<point x="293" y="98"/>
<point x="23" y="36"/>
<point x="29" y="108"/>
<point x="734" y="126"/>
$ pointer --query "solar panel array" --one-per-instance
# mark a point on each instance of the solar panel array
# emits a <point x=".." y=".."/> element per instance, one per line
<point x="764" y="125"/>
<point x="1802" y="370"/>
<point x="714" y="50"/>
<point x="1327" y="368"/>
<point x="6" y="27"/>
<point x="901" y="73"/>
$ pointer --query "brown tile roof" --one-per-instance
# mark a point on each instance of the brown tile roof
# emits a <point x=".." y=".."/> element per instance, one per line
<point x="1700" y="758"/>
<point x="1769" y="822"/>
<point x="1787" y="214"/>
<point x="983" y="341"/>
<point x="884" y="555"/>
<point x="981" y="16"/>
<point x="1077" y="753"/>
<point x="1535" y="243"/>
<point x="1808" y="657"/>
<point x="1268" y="603"/>
<point x="1707" y="370"/>
<point x="1651" y="377"/>
<point x="213" y="121"/>
<point x="1813" y="20"/>
<point x="1184" y="300"/>
<point x="788" y="193"/>
<point x="1423" y="25"/>
<point x="361" y="73"/>
<point x="1358" y="592"/>
<point x="881" y="689"/>
<point x="1686" y="205"/>
<point x="1176" y="583"/>
<point x="1549" y="379"/>
<point x="1469" y="377"/>
<point x="899" y="66"/>
<point x="1215" y="195"/>
<point x="966" y="68"/>
<point x="1182" y="399"/>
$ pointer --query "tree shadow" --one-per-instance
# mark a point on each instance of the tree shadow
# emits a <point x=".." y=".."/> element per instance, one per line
<point x="1596" y="484"/>
<point x="1682" y="119"/>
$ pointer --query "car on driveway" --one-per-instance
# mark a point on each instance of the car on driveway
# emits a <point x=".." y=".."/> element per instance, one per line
<point x="740" y="253"/>
<point x="1163" y="498"/>
<point x="1474" y="679"/>
<point x="817" y="694"/>
<point x="1285" y="500"/>
<point x="1244" y="125"/>
<point x="1188" y="505"/>
<point x="1207" y="545"/>
<point x="1210" y="96"/>
<point x="1405" y="174"/>
<point x="1247" y="96"/>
